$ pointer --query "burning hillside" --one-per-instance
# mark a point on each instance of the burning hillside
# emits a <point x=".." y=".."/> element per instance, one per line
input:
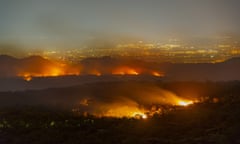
<point x="36" y="66"/>
<point x="104" y="99"/>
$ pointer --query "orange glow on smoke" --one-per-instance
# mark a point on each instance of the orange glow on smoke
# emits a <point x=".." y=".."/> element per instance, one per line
<point x="126" y="111"/>
<point x="27" y="77"/>
<point x="135" y="71"/>
<point x="61" y="69"/>
<point x="53" y="71"/>
<point x="125" y="71"/>
<point x="131" y="109"/>
<point x="139" y="115"/>
<point x="184" y="102"/>
<point x="157" y="74"/>
<point x="95" y="72"/>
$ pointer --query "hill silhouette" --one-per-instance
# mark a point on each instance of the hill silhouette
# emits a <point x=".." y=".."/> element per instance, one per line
<point x="225" y="71"/>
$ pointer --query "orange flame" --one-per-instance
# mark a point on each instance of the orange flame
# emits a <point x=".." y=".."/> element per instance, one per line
<point x="184" y="102"/>
<point x="27" y="77"/>
<point x="125" y="111"/>
<point x="157" y="74"/>
<point x="52" y="71"/>
<point x="60" y="69"/>
<point x="95" y="72"/>
<point x="125" y="71"/>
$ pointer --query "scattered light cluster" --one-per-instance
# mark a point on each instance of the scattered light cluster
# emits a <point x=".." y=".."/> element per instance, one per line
<point x="173" y="50"/>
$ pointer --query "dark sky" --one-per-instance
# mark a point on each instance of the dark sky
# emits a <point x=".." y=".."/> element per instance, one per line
<point x="50" y="22"/>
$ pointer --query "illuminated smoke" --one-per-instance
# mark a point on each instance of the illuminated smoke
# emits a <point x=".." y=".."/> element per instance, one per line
<point x="39" y="67"/>
<point x="129" y="100"/>
<point x="125" y="71"/>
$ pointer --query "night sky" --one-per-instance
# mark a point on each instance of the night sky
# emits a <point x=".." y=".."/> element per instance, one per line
<point x="50" y="22"/>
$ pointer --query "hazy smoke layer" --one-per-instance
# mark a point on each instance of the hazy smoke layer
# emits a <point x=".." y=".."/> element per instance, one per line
<point x="102" y="99"/>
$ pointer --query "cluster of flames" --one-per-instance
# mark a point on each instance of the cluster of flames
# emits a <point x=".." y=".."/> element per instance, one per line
<point x="63" y="70"/>
<point x="121" y="110"/>
<point x="144" y="114"/>
<point x="130" y="111"/>
<point x="51" y="72"/>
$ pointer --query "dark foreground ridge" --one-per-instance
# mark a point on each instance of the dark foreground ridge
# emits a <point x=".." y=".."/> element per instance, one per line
<point x="215" y="120"/>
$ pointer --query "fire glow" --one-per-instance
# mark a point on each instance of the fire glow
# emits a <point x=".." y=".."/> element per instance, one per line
<point x="64" y="70"/>
<point x="125" y="71"/>
<point x="157" y="74"/>
<point x="53" y="71"/>
<point x="133" y="109"/>
<point x="126" y="111"/>
<point x="135" y="112"/>
<point x="184" y="103"/>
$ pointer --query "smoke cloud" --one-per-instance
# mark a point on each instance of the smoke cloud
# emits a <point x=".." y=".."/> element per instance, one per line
<point x="115" y="99"/>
